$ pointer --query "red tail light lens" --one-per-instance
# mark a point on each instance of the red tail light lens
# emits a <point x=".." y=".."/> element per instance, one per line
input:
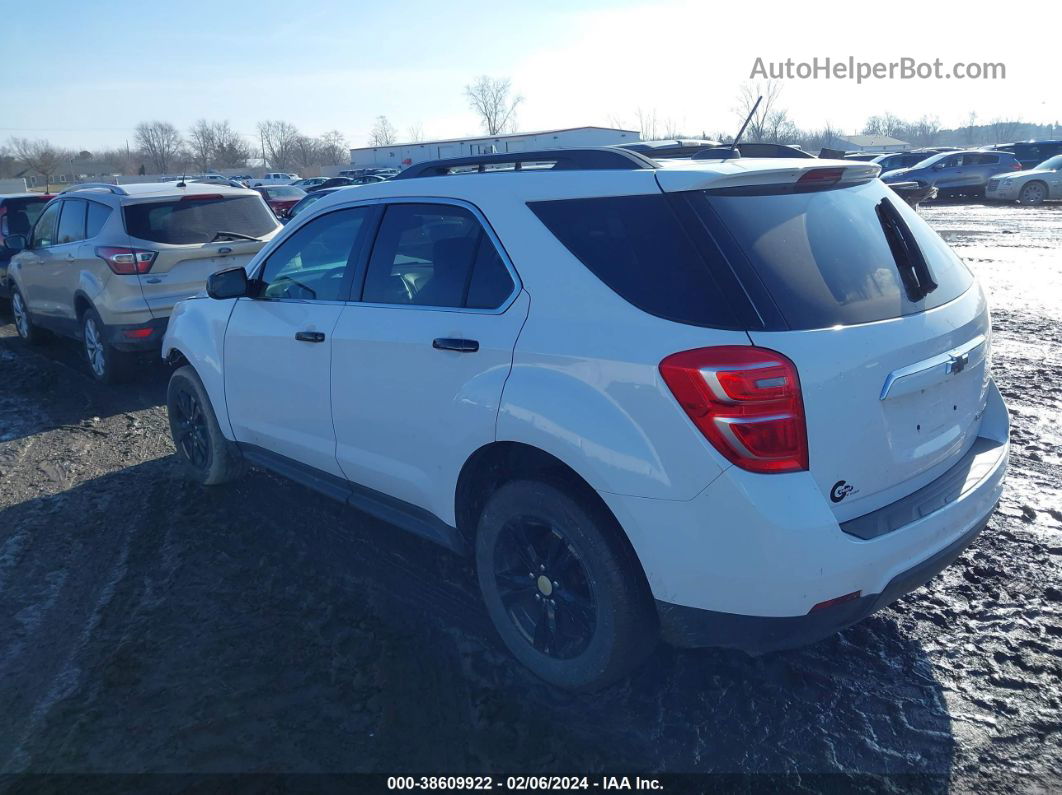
<point x="820" y="177"/>
<point x="127" y="261"/>
<point x="747" y="403"/>
<point x="1016" y="167"/>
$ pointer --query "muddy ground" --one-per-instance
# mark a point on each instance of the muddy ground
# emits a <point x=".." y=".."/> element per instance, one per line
<point x="148" y="625"/>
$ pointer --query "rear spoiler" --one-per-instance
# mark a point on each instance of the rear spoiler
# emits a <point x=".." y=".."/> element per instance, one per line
<point x="751" y="174"/>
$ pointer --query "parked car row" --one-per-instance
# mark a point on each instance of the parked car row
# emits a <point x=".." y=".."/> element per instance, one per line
<point x="643" y="400"/>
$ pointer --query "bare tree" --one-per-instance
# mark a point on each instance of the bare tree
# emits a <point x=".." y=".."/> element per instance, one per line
<point x="758" y="127"/>
<point x="922" y="132"/>
<point x="230" y="148"/>
<point x="383" y="133"/>
<point x="39" y="157"/>
<point x="1004" y="130"/>
<point x="887" y="124"/>
<point x="201" y="144"/>
<point x="415" y="133"/>
<point x="160" y="142"/>
<point x="307" y="152"/>
<point x="332" y="148"/>
<point x="490" y="98"/>
<point x="647" y="124"/>
<point x="280" y="139"/>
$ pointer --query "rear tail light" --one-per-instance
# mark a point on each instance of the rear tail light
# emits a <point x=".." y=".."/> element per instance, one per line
<point x="127" y="261"/>
<point x="1015" y="167"/>
<point x="747" y="403"/>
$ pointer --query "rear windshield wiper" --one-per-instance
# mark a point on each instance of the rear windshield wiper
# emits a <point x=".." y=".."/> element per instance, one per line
<point x="236" y="235"/>
<point x="917" y="278"/>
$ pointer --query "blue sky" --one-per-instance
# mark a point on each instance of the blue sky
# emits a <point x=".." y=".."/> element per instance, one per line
<point x="324" y="65"/>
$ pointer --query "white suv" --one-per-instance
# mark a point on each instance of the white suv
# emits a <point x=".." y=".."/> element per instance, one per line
<point x="740" y="403"/>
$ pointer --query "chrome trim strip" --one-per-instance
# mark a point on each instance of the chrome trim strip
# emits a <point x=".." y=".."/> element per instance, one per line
<point x="947" y="360"/>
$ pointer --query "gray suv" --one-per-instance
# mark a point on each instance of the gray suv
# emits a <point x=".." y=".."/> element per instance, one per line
<point x="956" y="173"/>
<point x="106" y="263"/>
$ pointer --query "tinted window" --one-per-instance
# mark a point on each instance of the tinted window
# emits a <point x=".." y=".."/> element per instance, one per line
<point x="71" y="222"/>
<point x="429" y="255"/>
<point x="195" y="220"/>
<point x="21" y="215"/>
<point x="824" y="256"/>
<point x="311" y="265"/>
<point x="44" y="231"/>
<point x="97" y="217"/>
<point x="637" y="246"/>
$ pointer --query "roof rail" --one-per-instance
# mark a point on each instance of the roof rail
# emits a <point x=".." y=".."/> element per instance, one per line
<point x="586" y="159"/>
<point x="117" y="190"/>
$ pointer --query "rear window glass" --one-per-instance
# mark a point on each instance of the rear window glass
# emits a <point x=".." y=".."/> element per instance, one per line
<point x="637" y="246"/>
<point x="824" y="256"/>
<point x="72" y="221"/>
<point x="185" y="221"/>
<point x="285" y="192"/>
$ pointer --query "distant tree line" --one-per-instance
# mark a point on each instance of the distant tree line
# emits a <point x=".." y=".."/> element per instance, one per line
<point x="159" y="147"/>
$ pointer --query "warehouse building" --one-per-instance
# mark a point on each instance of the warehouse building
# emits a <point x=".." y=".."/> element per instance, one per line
<point x="403" y="155"/>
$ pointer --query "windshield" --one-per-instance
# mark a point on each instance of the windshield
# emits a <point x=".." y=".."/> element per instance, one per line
<point x="930" y="160"/>
<point x="198" y="220"/>
<point x="1051" y="164"/>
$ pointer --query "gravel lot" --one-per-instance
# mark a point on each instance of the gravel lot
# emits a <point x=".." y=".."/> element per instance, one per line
<point x="147" y="625"/>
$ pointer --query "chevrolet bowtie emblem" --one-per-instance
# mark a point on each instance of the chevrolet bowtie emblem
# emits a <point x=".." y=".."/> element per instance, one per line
<point x="956" y="364"/>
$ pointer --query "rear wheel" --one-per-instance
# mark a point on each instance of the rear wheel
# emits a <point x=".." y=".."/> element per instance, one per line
<point x="107" y="364"/>
<point x="563" y="590"/>
<point x="1034" y="192"/>
<point x="23" y="323"/>
<point x="207" y="456"/>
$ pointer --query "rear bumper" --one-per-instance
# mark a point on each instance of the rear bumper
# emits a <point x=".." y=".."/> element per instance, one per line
<point x="744" y="563"/>
<point x="691" y="627"/>
<point x="137" y="337"/>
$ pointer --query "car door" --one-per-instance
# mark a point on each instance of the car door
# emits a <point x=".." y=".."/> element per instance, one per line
<point x="32" y="264"/>
<point x="947" y="172"/>
<point x="60" y="270"/>
<point x="418" y="364"/>
<point x="278" y="344"/>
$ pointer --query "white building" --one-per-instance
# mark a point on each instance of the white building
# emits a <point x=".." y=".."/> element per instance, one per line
<point x="869" y="143"/>
<point x="403" y="155"/>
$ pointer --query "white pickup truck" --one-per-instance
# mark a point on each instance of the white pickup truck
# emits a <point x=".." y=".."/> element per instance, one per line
<point x="275" y="178"/>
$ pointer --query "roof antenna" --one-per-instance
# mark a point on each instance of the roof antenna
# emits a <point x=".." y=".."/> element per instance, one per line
<point x="733" y="146"/>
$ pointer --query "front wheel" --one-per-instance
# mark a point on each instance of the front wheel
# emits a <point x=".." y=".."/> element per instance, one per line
<point x="563" y="589"/>
<point x="1033" y="193"/>
<point x="23" y="323"/>
<point x="207" y="456"/>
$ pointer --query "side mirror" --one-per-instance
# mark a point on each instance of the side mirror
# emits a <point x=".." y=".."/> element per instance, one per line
<point x="229" y="283"/>
<point x="15" y="243"/>
<point x="938" y="166"/>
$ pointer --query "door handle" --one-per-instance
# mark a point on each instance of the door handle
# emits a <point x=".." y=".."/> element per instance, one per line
<point x="454" y="344"/>
<point x="310" y="336"/>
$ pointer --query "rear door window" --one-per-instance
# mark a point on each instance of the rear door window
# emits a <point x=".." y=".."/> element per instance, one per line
<point x="72" y="221"/>
<point x="198" y="219"/>
<point x="823" y="256"/>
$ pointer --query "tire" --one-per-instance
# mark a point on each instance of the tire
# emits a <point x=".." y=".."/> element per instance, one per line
<point x="23" y="322"/>
<point x="107" y="364"/>
<point x="1032" y="193"/>
<point x="583" y="617"/>
<point x="208" y="458"/>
